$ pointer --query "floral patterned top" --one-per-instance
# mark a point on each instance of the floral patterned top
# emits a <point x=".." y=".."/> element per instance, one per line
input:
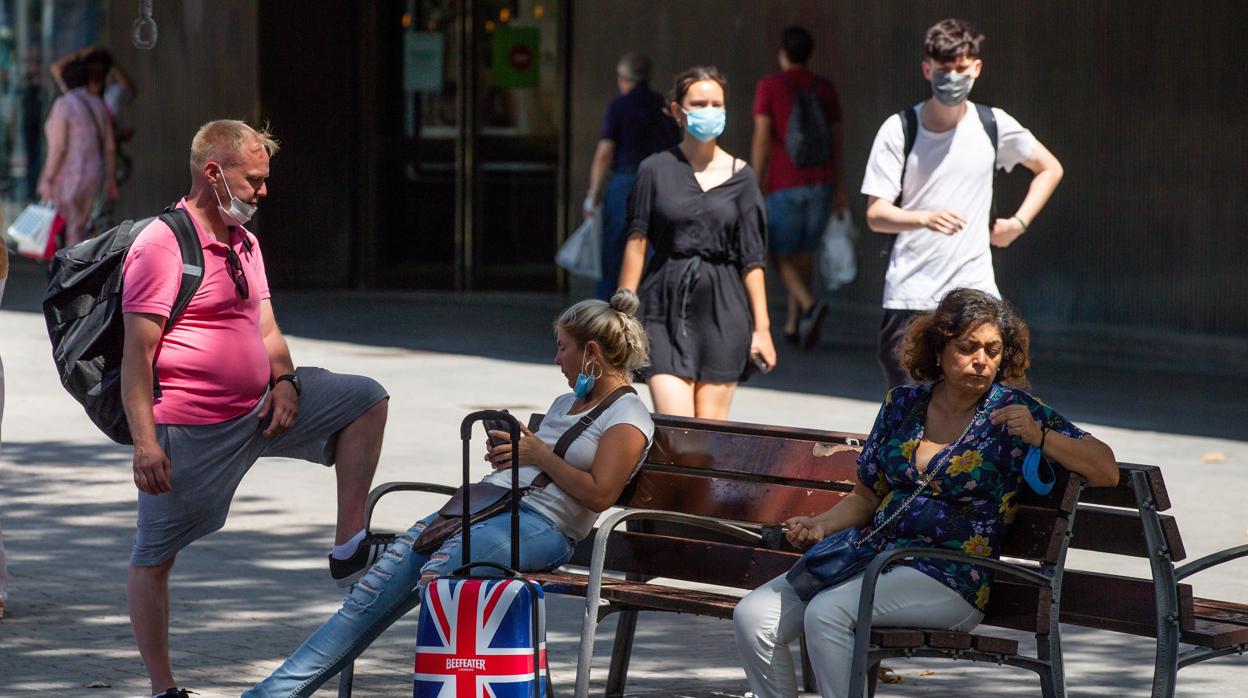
<point x="970" y="501"/>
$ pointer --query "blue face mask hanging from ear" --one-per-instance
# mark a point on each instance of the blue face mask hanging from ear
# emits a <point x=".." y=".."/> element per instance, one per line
<point x="585" y="381"/>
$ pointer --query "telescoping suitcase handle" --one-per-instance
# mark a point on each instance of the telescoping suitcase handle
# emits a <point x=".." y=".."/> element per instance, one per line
<point x="465" y="435"/>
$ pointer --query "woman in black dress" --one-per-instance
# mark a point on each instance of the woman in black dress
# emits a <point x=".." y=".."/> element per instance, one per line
<point x="703" y="302"/>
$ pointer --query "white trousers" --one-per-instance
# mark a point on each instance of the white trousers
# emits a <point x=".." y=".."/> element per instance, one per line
<point x="772" y="616"/>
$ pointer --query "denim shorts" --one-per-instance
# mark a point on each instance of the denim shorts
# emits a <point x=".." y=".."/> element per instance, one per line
<point x="796" y="217"/>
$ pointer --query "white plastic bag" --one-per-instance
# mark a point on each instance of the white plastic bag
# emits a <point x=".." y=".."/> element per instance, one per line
<point x="581" y="253"/>
<point x="31" y="229"/>
<point x="836" y="251"/>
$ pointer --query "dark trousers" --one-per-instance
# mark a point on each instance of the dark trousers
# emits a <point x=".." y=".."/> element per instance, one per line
<point x="614" y="231"/>
<point x="892" y="337"/>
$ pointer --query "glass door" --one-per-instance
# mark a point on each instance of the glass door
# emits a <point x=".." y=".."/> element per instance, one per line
<point x="479" y="149"/>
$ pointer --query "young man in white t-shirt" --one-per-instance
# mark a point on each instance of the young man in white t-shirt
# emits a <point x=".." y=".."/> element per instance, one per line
<point x="940" y="213"/>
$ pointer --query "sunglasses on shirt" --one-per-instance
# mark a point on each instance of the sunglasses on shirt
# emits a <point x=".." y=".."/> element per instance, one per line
<point x="236" y="274"/>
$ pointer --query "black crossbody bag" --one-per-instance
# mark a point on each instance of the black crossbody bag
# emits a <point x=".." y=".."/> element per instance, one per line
<point x="486" y="499"/>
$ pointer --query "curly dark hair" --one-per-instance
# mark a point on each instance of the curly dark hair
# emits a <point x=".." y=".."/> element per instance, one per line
<point x="959" y="312"/>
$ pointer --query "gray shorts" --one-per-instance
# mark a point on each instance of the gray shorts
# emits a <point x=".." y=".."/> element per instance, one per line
<point x="209" y="460"/>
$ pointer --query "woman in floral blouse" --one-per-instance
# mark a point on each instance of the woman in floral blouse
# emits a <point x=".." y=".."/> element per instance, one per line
<point x="971" y="426"/>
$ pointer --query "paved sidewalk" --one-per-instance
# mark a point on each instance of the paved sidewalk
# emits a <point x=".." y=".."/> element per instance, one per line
<point x="243" y="598"/>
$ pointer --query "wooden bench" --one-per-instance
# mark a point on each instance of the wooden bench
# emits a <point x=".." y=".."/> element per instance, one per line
<point x="1128" y="520"/>
<point x="696" y="512"/>
<point x="698" y="508"/>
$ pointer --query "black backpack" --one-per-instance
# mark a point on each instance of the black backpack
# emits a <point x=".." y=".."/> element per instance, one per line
<point x="83" y="312"/>
<point x="808" y="138"/>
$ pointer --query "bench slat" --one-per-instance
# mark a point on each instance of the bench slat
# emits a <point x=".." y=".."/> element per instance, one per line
<point x="948" y="639"/>
<point x="903" y="638"/>
<point x="1122" y="495"/>
<point x="769" y="458"/>
<point x="1019" y="606"/>
<point x="1036" y="534"/>
<point x="1223" y="611"/>
<point x="1215" y="635"/>
<point x="1121" y="533"/>
<point x="705" y="562"/>
<point x="1113" y="602"/>
<point x="721" y="498"/>
<point x="994" y="645"/>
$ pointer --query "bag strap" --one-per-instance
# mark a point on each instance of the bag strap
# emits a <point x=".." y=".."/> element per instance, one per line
<point x="179" y="221"/>
<point x="565" y="441"/>
<point x="95" y="123"/>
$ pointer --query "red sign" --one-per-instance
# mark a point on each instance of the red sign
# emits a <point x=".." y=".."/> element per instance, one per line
<point x="520" y="57"/>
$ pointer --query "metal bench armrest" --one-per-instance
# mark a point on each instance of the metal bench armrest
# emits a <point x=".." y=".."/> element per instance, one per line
<point x="1208" y="561"/>
<point x="386" y="488"/>
<point x="593" y="593"/>
<point x="866" y="599"/>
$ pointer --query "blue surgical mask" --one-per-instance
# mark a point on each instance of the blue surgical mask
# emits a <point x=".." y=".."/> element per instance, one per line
<point x="706" y="123"/>
<point x="585" y="381"/>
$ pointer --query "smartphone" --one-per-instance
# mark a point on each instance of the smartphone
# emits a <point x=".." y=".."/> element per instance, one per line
<point x="761" y="365"/>
<point x="495" y="425"/>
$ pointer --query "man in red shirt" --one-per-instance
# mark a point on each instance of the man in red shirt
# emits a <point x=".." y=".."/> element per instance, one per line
<point x="219" y="390"/>
<point x="796" y="152"/>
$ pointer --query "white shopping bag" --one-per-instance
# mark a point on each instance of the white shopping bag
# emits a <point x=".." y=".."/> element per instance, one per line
<point x="581" y="253"/>
<point x="31" y="229"/>
<point x="836" y="251"/>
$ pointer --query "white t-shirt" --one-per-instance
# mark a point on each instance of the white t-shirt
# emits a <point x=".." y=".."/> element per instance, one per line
<point x="945" y="170"/>
<point x="557" y="505"/>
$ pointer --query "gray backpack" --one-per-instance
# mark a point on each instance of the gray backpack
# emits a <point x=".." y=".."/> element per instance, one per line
<point x="808" y="140"/>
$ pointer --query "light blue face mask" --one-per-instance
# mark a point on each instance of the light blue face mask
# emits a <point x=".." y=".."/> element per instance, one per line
<point x="585" y="381"/>
<point x="706" y="123"/>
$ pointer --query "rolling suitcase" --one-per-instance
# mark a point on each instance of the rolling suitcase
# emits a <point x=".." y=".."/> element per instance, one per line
<point x="483" y="636"/>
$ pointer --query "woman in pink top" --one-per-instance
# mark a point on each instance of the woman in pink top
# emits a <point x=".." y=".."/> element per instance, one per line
<point x="80" y="154"/>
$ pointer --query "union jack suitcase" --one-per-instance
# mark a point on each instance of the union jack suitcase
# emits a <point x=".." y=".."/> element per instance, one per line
<point x="483" y="637"/>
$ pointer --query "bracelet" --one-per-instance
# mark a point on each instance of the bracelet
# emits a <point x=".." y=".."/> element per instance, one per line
<point x="1022" y="223"/>
<point x="1044" y="434"/>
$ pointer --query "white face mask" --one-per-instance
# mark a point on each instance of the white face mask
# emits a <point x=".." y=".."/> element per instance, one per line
<point x="239" y="211"/>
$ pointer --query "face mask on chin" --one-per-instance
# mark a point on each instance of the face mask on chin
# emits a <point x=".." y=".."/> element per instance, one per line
<point x="239" y="211"/>
<point x="951" y="89"/>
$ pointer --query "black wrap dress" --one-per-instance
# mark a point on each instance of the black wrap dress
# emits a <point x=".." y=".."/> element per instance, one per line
<point x="693" y="302"/>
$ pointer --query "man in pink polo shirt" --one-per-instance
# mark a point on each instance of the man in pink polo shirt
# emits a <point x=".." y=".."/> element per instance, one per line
<point x="229" y="392"/>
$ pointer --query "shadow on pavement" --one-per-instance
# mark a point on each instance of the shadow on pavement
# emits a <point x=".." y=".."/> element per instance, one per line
<point x="517" y="327"/>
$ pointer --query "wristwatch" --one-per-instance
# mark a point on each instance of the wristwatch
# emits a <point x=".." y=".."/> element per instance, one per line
<point x="294" y="380"/>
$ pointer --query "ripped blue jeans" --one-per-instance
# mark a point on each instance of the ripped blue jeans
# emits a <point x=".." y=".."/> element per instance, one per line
<point x="391" y="588"/>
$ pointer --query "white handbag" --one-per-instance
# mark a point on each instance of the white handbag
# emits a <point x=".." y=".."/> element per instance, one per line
<point x="31" y="229"/>
<point x="836" y="251"/>
<point x="581" y="253"/>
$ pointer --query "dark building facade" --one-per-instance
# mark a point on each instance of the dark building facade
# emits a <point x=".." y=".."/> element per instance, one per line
<point x="446" y="143"/>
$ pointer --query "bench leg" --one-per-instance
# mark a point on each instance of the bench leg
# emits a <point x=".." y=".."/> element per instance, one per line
<point x="1053" y="678"/>
<point x="621" y="652"/>
<point x="808" y="672"/>
<point x="1166" y="601"/>
<point x="345" y="679"/>
<point x="873" y="678"/>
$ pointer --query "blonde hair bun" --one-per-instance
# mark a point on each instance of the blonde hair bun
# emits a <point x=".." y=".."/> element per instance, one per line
<point x="626" y="302"/>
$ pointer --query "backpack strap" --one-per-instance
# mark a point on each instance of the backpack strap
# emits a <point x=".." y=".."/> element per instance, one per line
<point x="989" y="121"/>
<point x="910" y="127"/>
<point x="179" y="221"/>
<point x="565" y="441"/>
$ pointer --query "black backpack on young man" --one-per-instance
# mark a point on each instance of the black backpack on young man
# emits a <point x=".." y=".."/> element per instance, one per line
<point x="808" y="138"/>
<point x="83" y="311"/>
